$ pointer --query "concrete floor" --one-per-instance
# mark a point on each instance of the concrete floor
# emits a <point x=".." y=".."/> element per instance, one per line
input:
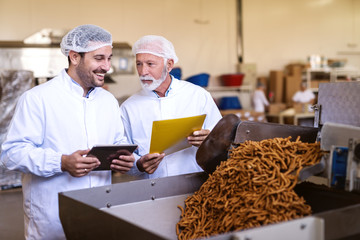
<point x="11" y="211"/>
<point x="11" y="214"/>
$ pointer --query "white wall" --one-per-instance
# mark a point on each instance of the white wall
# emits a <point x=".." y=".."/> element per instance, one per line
<point x="276" y="32"/>
<point x="202" y="31"/>
<point x="279" y="32"/>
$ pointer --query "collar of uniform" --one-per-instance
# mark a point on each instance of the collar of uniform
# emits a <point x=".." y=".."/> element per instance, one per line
<point x="88" y="93"/>
<point x="173" y="79"/>
<point x="74" y="86"/>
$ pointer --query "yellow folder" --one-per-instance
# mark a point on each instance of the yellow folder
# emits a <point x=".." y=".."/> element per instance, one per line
<point x="170" y="135"/>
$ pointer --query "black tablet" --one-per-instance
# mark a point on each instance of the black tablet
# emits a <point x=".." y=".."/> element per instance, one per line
<point x="106" y="153"/>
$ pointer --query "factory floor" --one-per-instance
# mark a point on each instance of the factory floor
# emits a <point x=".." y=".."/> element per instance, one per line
<point x="11" y="211"/>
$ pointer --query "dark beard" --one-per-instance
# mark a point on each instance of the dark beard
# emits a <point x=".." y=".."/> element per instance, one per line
<point x="86" y="78"/>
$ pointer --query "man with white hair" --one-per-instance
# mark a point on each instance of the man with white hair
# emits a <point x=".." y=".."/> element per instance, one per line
<point x="164" y="97"/>
<point x="54" y="126"/>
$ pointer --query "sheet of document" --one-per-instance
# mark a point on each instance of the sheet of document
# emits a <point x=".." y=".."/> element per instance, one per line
<point x="170" y="135"/>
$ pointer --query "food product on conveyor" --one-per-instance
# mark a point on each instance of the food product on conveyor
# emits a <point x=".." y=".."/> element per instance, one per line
<point x="254" y="187"/>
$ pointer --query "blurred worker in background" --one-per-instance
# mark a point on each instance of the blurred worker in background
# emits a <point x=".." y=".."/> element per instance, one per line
<point x="304" y="95"/>
<point x="259" y="99"/>
<point x="54" y="126"/>
<point x="164" y="97"/>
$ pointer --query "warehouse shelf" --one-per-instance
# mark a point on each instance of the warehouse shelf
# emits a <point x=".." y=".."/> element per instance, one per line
<point x="243" y="92"/>
<point x="334" y="75"/>
<point x="229" y="88"/>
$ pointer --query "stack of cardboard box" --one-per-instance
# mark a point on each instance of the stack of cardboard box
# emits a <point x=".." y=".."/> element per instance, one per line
<point x="293" y="80"/>
<point x="282" y="85"/>
<point x="276" y="92"/>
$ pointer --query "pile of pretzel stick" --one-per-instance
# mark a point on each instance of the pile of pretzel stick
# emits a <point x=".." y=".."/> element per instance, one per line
<point x="254" y="187"/>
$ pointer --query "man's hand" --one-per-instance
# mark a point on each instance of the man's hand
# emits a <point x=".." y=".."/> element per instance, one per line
<point x="77" y="165"/>
<point x="198" y="137"/>
<point x="123" y="164"/>
<point x="149" y="162"/>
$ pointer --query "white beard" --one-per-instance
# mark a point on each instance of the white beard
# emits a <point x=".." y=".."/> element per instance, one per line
<point x="155" y="82"/>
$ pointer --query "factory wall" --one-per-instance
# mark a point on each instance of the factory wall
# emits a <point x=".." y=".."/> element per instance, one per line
<point x="204" y="32"/>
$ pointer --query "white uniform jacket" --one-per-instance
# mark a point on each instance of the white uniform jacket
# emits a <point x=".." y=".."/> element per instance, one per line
<point x="303" y="96"/>
<point x="259" y="101"/>
<point x="184" y="99"/>
<point x="50" y="120"/>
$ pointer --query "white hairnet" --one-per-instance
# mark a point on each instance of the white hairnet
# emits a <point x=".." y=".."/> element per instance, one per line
<point x="85" y="38"/>
<point x="156" y="45"/>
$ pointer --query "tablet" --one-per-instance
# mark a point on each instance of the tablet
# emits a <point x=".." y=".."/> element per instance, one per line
<point x="106" y="153"/>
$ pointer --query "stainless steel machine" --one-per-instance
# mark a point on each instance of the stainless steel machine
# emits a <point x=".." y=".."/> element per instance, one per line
<point x="40" y="53"/>
<point x="13" y="83"/>
<point x="337" y="116"/>
<point x="147" y="209"/>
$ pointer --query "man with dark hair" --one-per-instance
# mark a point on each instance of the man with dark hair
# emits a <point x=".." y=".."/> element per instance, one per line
<point x="54" y="126"/>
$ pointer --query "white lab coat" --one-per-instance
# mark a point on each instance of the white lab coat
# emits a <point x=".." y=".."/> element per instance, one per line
<point x="303" y="96"/>
<point x="184" y="99"/>
<point x="259" y="101"/>
<point x="50" y="120"/>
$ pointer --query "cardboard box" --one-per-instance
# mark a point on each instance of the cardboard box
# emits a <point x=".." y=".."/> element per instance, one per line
<point x="292" y="85"/>
<point x="294" y="69"/>
<point x="315" y="83"/>
<point x="302" y="107"/>
<point x="276" y="108"/>
<point x="299" y="107"/>
<point x="276" y="85"/>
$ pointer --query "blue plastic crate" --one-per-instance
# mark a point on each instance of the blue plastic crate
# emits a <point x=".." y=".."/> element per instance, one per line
<point x="201" y="79"/>
<point x="231" y="102"/>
